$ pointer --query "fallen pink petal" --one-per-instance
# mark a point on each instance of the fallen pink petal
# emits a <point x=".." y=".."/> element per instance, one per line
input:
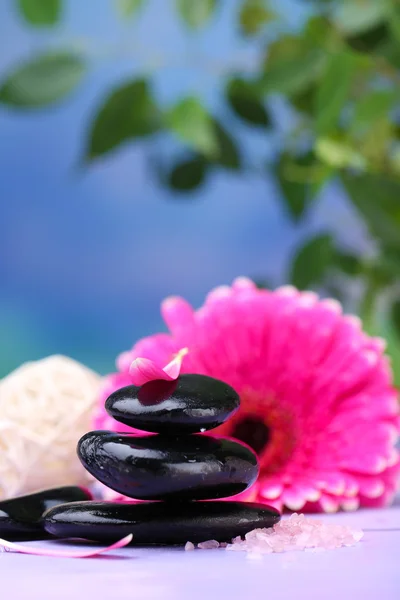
<point x="37" y="551"/>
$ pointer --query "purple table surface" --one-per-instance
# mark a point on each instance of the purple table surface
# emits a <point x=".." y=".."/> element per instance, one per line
<point x="370" y="570"/>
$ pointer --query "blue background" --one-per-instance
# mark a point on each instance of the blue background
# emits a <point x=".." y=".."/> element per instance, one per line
<point x="86" y="256"/>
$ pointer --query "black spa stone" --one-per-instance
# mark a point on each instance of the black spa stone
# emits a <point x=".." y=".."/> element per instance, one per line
<point x="156" y="467"/>
<point x="20" y="517"/>
<point x="158" y="523"/>
<point x="191" y="404"/>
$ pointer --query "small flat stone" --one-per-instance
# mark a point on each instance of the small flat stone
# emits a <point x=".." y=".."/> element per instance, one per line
<point x="156" y="467"/>
<point x="190" y="404"/>
<point x="158" y="523"/>
<point x="20" y="518"/>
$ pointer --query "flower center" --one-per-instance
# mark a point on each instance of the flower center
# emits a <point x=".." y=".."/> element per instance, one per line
<point x="267" y="425"/>
<point x="253" y="432"/>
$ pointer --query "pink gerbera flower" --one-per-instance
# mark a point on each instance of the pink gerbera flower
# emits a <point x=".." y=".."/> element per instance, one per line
<point x="317" y="400"/>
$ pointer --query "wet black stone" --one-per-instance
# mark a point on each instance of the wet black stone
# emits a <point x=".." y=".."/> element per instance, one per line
<point x="158" y="523"/>
<point x="190" y="404"/>
<point x="157" y="467"/>
<point x="20" y="517"/>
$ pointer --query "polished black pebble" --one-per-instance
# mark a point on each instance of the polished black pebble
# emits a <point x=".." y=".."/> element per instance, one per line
<point x="191" y="404"/>
<point x="157" y="467"/>
<point x="158" y="523"/>
<point x="20" y="517"/>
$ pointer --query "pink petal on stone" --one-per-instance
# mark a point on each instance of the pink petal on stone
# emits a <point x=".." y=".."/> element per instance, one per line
<point x="64" y="553"/>
<point x="143" y="370"/>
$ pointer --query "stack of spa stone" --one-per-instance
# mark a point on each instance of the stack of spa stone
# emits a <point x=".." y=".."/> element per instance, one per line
<point x="170" y="466"/>
<point x="173" y="468"/>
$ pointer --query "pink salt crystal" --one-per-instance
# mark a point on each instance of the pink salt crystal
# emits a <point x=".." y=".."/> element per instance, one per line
<point x="189" y="546"/>
<point x="209" y="545"/>
<point x="296" y="533"/>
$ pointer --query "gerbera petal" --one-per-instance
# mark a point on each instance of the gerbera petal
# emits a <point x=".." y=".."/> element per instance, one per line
<point x="372" y="487"/>
<point x="243" y="283"/>
<point x="270" y="490"/>
<point x="178" y="315"/>
<point x="350" y="504"/>
<point x="124" y="361"/>
<point x="328" y="503"/>
<point x="293" y="498"/>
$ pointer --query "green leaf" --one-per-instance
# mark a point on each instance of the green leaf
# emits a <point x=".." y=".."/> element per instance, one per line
<point x="254" y="15"/>
<point x="196" y="13"/>
<point x="391" y="335"/>
<point x="40" y="13"/>
<point x="128" y="112"/>
<point x="370" y="41"/>
<point x="128" y="8"/>
<point x="377" y="198"/>
<point x="291" y="66"/>
<point x="395" y="316"/>
<point x="338" y="154"/>
<point x="394" y="20"/>
<point x="390" y="51"/>
<point x="295" y="194"/>
<point x="384" y="327"/>
<point x="372" y="107"/>
<point x="188" y="175"/>
<point x="348" y="263"/>
<point x="44" y="80"/>
<point x="228" y="154"/>
<point x="312" y="261"/>
<point x="356" y="16"/>
<point x="190" y="121"/>
<point x="301" y="178"/>
<point x="389" y="262"/>
<point x="244" y="102"/>
<point x="334" y="90"/>
<point x="304" y="100"/>
<point x="319" y="32"/>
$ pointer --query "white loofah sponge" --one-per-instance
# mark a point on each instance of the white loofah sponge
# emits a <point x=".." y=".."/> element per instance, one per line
<point x="45" y="407"/>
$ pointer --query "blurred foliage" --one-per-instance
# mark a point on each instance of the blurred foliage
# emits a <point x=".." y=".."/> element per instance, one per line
<point x="339" y="77"/>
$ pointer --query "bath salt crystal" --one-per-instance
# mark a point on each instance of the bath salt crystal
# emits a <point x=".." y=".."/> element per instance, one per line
<point x="296" y="533"/>
<point x="208" y="545"/>
<point x="189" y="546"/>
